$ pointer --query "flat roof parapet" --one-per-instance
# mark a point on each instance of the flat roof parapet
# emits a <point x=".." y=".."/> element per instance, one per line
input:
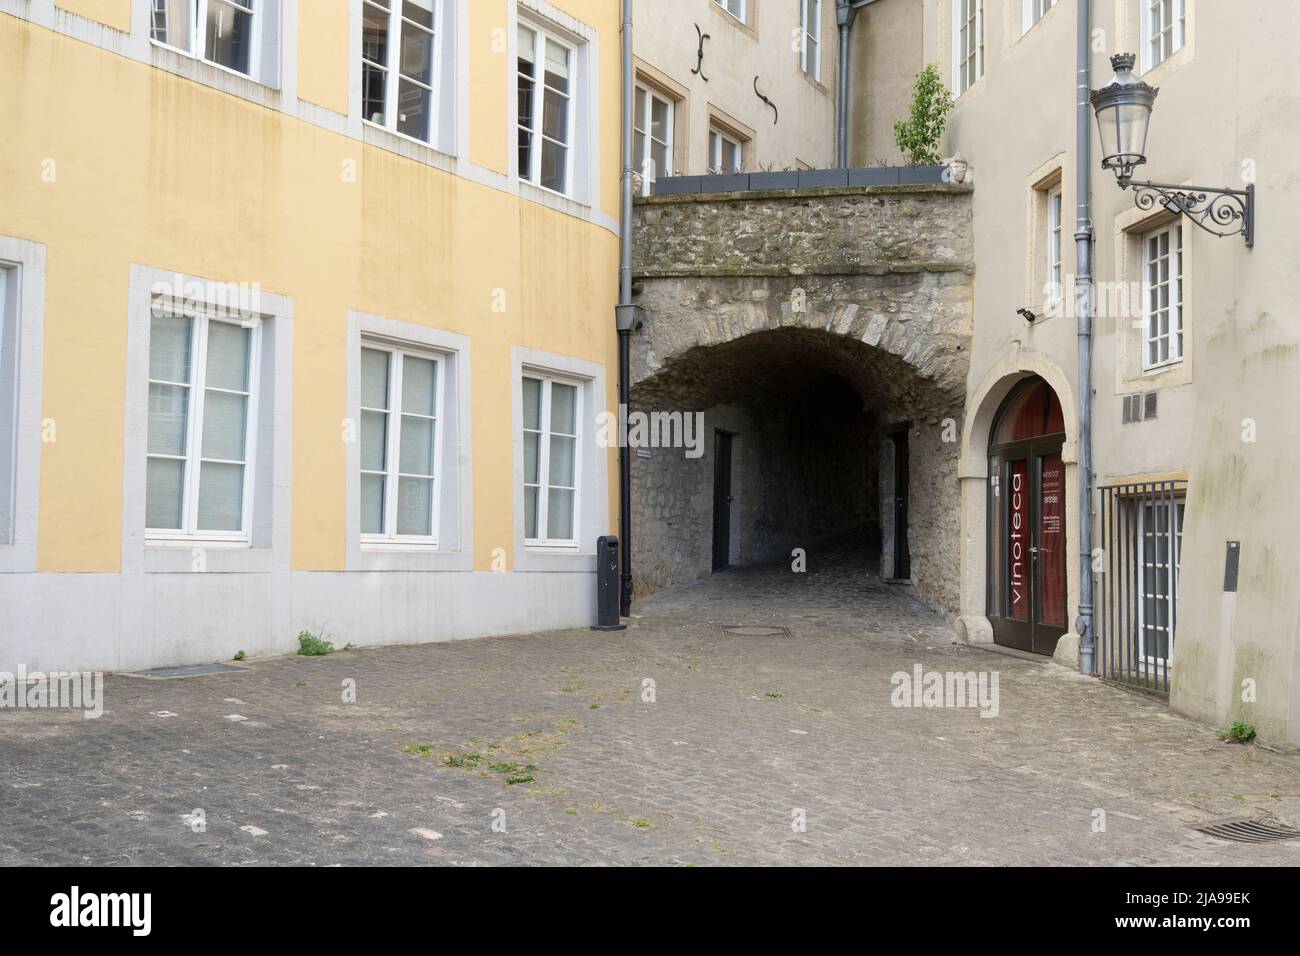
<point x="802" y="180"/>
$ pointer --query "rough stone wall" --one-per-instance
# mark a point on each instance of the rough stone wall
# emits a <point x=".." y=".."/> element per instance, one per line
<point x="754" y="294"/>
<point x="796" y="478"/>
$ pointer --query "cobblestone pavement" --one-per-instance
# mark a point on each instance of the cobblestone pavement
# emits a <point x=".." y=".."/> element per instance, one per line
<point x="743" y="732"/>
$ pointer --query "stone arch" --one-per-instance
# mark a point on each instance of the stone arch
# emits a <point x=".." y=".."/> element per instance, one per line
<point x="859" y="296"/>
<point x="986" y="399"/>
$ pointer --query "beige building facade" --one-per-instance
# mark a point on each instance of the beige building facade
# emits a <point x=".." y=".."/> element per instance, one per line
<point x="734" y="86"/>
<point x="1195" y="438"/>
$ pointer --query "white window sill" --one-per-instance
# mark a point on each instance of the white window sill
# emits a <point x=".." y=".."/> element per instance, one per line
<point x="213" y="75"/>
<point x="1163" y="367"/>
<point x="555" y="559"/>
<point x="205" y="557"/>
<point x="202" y="59"/>
<point x="416" y="547"/>
<point x="397" y="557"/>
<point x="419" y="150"/>
<point x="552" y="547"/>
<point x="549" y="197"/>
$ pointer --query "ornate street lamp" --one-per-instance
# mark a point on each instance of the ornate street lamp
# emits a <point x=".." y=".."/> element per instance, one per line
<point x="1123" y="108"/>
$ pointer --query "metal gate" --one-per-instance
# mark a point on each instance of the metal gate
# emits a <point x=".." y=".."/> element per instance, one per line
<point x="1137" y="582"/>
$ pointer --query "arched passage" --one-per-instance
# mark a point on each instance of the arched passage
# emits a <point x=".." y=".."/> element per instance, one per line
<point x="823" y="335"/>
<point x="806" y="435"/>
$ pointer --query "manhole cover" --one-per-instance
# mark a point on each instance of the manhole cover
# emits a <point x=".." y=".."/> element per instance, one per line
<point x="1245" y="830"/>
<point x="755" y="630"/>
<point x="189" y="670"/>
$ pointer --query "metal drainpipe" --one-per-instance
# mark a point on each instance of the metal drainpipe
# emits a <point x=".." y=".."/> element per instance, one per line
<point x="844" y="15"/>
<point x="625" y="320"/>
<point x="1083" y="238"/>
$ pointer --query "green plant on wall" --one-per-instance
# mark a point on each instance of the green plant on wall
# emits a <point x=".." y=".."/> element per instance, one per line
<point x="918" y="136"/>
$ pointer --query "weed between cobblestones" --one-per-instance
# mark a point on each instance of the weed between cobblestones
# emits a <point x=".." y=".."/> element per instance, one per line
<point x="714" y="775"/>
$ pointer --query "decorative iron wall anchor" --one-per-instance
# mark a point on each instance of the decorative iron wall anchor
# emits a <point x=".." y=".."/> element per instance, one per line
<point x="699" y="62"/>
<point x="1220" y="212"/>
<point x="775" y="115"/>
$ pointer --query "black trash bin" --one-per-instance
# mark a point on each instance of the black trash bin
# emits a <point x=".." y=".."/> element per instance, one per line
<point x="607" y="585"/>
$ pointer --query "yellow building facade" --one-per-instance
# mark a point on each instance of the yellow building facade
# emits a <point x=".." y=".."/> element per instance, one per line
<point x="308" y="319"/>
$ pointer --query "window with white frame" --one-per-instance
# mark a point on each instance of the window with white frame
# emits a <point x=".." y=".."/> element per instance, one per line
<point x="1054" y="246"/>
<point x="545" y="85"/>
<point x="967" y="44"/>
<point x="552" y="434"/>
<point x="401" y="399"/>
<point x="735" y="7"/>
<point x="810" y="30"/>
<point x="1163" y="298"/>
<point x="1164" y="30"/>
<point x="8" y="409"/>
<point x="202" y="410"/>
<point x="228" y="33"/>
<point x="1035" y="10"/>
<point x="1160" y="546"/>
<point x="399" y="68"/>
<point x="726" y="153"/>
<point x="653" y="136"/>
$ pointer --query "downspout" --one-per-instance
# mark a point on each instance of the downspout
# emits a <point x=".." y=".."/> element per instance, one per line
<point x="1083" y="238"/>
<point x="625" y="319"/>
<point x="845" y="13"/>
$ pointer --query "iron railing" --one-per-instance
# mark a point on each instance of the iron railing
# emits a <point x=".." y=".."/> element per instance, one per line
<point x="1136" y="619"/>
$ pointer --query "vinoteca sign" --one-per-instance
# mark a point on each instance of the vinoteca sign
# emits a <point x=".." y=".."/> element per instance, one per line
<point x="1018" y="516"/>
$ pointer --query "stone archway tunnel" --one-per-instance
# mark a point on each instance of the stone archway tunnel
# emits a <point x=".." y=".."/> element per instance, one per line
<point x="812" y="328"/>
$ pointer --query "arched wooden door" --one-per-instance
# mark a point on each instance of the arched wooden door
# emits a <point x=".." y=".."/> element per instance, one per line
<point x="1027" y="540"/>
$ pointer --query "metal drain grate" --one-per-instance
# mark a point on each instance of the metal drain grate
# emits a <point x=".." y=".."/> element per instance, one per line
<point x="755" y="630"/>
<point x="189" y="670"/>
<point x="1247" y="830"/>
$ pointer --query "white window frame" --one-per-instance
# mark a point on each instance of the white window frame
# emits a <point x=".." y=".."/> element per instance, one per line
<point x="393" y="75"/>
<point x="1177" y="514"/>
<point x="1055" y="245"/>
<point x="737" y="13"/>
<point x="533" y="175"/>
<point x="959" y="57"/>
<point x="1035" y="10"/>
<point x="644" y="124"/>
<point x="454" y="548"/>
<point x="717" y="137"/>
<point x="392" y="441"/>
<point x="189" y="531"/>
<point x="543" y="485"/>
<point x="268" y="548"/>
<point x="1173" y="29"/>
<point x="810" y="28"/>
<point x="22" y="333"/>
<point x="594" y="460"/>
<point x="1171" y="353"/>
<point x="198" y="34"/>
<point x="8" y="403"/>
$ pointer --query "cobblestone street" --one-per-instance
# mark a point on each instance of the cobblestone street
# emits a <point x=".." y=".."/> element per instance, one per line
<point x="744" y="731"/>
